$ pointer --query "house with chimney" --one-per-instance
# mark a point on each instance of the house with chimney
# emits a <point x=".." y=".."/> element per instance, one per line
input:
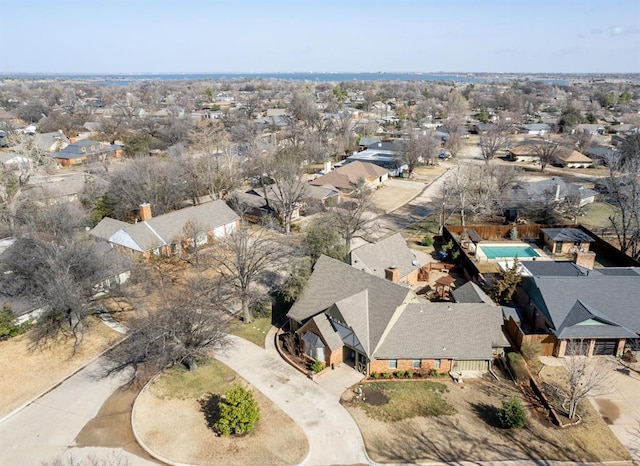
<point x="388" y="258"/>
<point x="347" y="315"/>
<point x="572" y="308"/>
<point x="169" y="234"/>
<point x="345" y="177"/>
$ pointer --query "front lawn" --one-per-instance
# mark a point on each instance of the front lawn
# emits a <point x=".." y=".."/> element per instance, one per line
<point x="394" y="401"/>
<point x="470" y="433"/>
<point x="255" y="331"/>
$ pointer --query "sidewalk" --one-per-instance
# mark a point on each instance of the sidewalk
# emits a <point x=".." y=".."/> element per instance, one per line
<point x="334" y="437"/>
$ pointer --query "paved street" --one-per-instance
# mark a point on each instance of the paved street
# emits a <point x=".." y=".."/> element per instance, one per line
<point x="48" y="428"/>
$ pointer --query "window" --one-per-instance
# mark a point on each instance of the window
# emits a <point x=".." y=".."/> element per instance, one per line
<point x="393" y="363"/>
<point x="436" y="364"/>
<point x="415" y="364"/>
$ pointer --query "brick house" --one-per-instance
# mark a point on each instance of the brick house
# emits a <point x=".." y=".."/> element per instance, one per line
<point x="168" y="234"/>
<point x="346" y="315"/>
<point x="389" y="258"/>
<point x="594" y="310"/>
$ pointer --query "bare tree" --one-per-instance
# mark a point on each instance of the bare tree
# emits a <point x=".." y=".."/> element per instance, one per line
<point x="624" y="190"/>
<point x="189" y="321"/>
<point x="546" y="150"/>
<point x="351" y="216"/>
<point x="584" y="377"/>
<point x="493" y="140"/>
<point x="419" y="148"/>
<point x="241" y="258"/>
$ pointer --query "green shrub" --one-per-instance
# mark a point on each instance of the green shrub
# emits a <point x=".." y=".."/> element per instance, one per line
<point x="317" y="366"/>
<point x="409" y="374"/>
<point x="8" y="327"/>
<point x="512" y="414"/>
<point x="375" y="375"/>
<point x="387" y="375"/>
<point x="433" y="373"/>
<point x="239" y="412"/>
<point x="427" y="240"/>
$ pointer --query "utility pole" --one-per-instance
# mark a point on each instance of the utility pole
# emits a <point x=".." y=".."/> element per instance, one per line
<point x="444" y="198"/>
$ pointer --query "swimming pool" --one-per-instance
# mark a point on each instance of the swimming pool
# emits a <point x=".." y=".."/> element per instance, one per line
<point x="508" y="251"/>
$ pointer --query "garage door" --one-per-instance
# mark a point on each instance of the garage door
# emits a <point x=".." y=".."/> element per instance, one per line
<point x="577" y="348"/>
<point x="605" y="347"/>
<point x="472" y="365"/>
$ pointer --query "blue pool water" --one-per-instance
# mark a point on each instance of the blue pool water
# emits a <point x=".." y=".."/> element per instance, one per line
<point x="510" y="251"/>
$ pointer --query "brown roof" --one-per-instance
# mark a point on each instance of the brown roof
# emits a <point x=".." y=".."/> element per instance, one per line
<point x="572" y="156"/>
<point x="347" y="176"/>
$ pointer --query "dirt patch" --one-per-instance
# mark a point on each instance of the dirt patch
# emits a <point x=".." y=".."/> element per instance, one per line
<point x="608" y="410"/>
<point x="112" y="425"/>
<point x="36" y="370"/>
<point x="472" y="433"/>
<point x="177" y="429"/>
<point x="374" y="397"/>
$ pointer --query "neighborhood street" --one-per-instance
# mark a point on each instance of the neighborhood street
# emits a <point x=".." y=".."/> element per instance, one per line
<point x="48" y="428"/>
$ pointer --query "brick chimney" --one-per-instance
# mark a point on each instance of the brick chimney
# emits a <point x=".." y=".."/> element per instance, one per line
<point x="392" y="274"/>
<point x="145" y="212"/>
<point x="586" y="259"/>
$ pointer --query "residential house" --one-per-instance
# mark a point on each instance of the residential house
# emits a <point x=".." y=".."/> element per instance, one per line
<point x="581" y="311"/>
<point x="345" y="178"/>
<point x="346" y="315"/>
<point x="82" y="151"/>
<point x="383" y="154"/>
<point x="565" y="241"/>
<point x="570" y="158"/>
<point x="524" y="195"/>
<point x="389" y="258"/>
<point x="536" y="128"/>
<point x="14" y="162"/>
<point x="168" y="234"/>
<point x="50" y="142"/>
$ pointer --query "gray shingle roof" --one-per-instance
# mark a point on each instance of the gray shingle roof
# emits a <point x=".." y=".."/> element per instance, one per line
<point x="470" y="293"/>
<point x="583" y="322"/>
<point x="428" y="330"/>
<point x="167" y="228"/>
<point x="327" y="332"/>
<point x="334" y="282"/>
<point x="556" y="268"/>
<point x="567" y="234"/>
<point x="609" y="297"/>
<point x="393" y="251"/>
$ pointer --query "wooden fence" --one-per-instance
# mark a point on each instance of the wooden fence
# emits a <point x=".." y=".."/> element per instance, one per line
<point x="547" y="342"/>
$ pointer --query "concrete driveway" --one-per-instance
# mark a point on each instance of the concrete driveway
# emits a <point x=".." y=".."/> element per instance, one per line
<point x="334" y="437"/>
<point x="620" y="407"/>
<point x="47" y="428"/>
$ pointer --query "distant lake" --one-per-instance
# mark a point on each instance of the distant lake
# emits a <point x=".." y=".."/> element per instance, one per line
<point x="126" y="79"/>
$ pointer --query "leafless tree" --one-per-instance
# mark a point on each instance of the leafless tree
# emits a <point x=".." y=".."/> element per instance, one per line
<point x="624" y="190"/>
<point x="419" y="148"/>
<point x="494" y="139"/>
<point x="282" y="183"/>
<point x="61" y="277"/>
<point x="581" y="140"/>
<point x="241" y="258"/>
<point x="352" y="215"/>
<point x="546" y="150"/>
<point x="584" y="377"/>
<point x="189" y="321"/>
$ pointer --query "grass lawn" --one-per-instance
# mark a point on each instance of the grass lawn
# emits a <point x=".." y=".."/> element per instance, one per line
<point x="470" y="433"/>
<point x="597" y="215"/>
<point x="394" y="401"/>
<point x="169" y="420"/>
<point x="255" y="331"/>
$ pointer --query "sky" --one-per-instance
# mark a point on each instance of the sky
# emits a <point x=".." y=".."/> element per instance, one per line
<point x="253" y="36"/>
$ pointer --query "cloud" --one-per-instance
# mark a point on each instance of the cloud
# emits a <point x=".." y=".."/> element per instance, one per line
<point x="615" y="31"/>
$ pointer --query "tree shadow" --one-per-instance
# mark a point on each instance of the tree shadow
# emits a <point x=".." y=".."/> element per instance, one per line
<point x="210" y="406"/>
<point x="488" y="413"/>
